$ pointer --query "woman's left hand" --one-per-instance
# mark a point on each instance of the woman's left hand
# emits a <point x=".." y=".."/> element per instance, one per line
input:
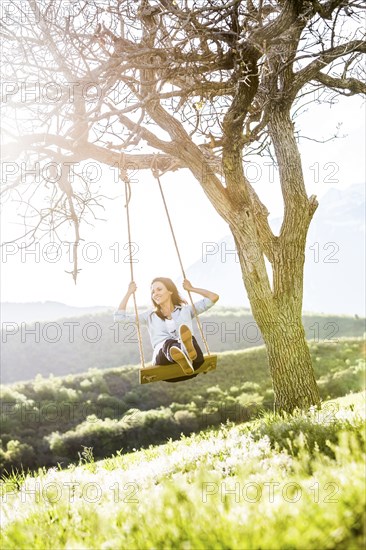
<point x="187" y="285"/>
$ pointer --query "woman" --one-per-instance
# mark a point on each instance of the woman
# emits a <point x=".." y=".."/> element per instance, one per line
<point x="170" y="323"/>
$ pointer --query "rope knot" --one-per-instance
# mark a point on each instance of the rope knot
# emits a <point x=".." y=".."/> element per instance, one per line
<point x="154" y="168"/>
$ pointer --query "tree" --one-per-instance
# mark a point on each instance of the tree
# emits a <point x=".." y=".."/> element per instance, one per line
<point x="204" y="84"/>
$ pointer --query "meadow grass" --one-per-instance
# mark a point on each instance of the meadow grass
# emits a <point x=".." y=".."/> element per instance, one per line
<point x="277" y="482"/>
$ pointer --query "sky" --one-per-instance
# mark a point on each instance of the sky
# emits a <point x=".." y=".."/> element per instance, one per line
<point x="105" y="274"/>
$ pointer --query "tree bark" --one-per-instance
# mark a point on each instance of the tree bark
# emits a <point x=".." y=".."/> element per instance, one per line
<point x="290" y="363"/>
<point x="280" y="322"/>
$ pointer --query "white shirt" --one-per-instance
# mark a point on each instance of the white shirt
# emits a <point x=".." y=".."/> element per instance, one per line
<point x="172" y="329"/>
<point x="157" y="327"/>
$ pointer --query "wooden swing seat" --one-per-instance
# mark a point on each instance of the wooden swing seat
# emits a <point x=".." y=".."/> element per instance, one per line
<point x="156" y="373"/>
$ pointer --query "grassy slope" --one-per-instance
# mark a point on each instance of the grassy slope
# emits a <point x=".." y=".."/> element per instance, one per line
<point x="234" y="369"/>
<point x="234" y="391"/>
<point x="296" y="482"/>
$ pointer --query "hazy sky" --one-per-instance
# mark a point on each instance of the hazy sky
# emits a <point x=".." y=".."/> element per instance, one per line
<point x="105" y="270"/>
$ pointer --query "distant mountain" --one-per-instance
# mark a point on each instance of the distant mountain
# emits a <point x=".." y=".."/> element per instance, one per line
<point x="335" y="258"/>
<point x="13" y="312"/>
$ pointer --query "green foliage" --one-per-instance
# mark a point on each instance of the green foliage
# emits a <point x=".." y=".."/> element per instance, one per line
<point x="16" y="455"/>
<point x="86" y="457"/>
<point x="52" y="419"/>
<point x="341" y="382"/>
<point x="279" y="481"/>
<point x="315" y="432"/>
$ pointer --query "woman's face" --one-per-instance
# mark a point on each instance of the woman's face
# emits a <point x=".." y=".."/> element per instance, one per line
<point x="159" y="293"/>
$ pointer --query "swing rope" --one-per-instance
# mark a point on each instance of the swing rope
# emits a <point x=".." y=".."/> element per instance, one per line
<point x="124" y="177"/>
<point x="156" y="175"/>
<point x="126" y="181"/>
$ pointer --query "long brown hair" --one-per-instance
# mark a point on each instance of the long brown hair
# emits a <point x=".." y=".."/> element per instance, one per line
<point x="176" y="298"/>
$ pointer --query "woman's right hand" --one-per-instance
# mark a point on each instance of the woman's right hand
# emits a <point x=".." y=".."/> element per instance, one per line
<point x="132" y="287"/>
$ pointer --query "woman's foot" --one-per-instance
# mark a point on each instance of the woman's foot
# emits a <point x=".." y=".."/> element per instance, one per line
<point x="186" y="338"/>
<point x="179" y="357"/>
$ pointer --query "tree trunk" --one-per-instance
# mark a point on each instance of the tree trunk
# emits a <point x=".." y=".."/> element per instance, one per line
<point x="290" y="364"/>
<point x="278" y="315"/>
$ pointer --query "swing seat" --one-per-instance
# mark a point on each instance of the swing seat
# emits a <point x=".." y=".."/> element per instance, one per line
<point x="156" y="373"/>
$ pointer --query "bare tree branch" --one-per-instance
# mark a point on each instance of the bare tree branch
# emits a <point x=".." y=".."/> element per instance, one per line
<point x="313" y="69"/>
<point x="353" y="85"/>
<point x="37" y="143"/>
